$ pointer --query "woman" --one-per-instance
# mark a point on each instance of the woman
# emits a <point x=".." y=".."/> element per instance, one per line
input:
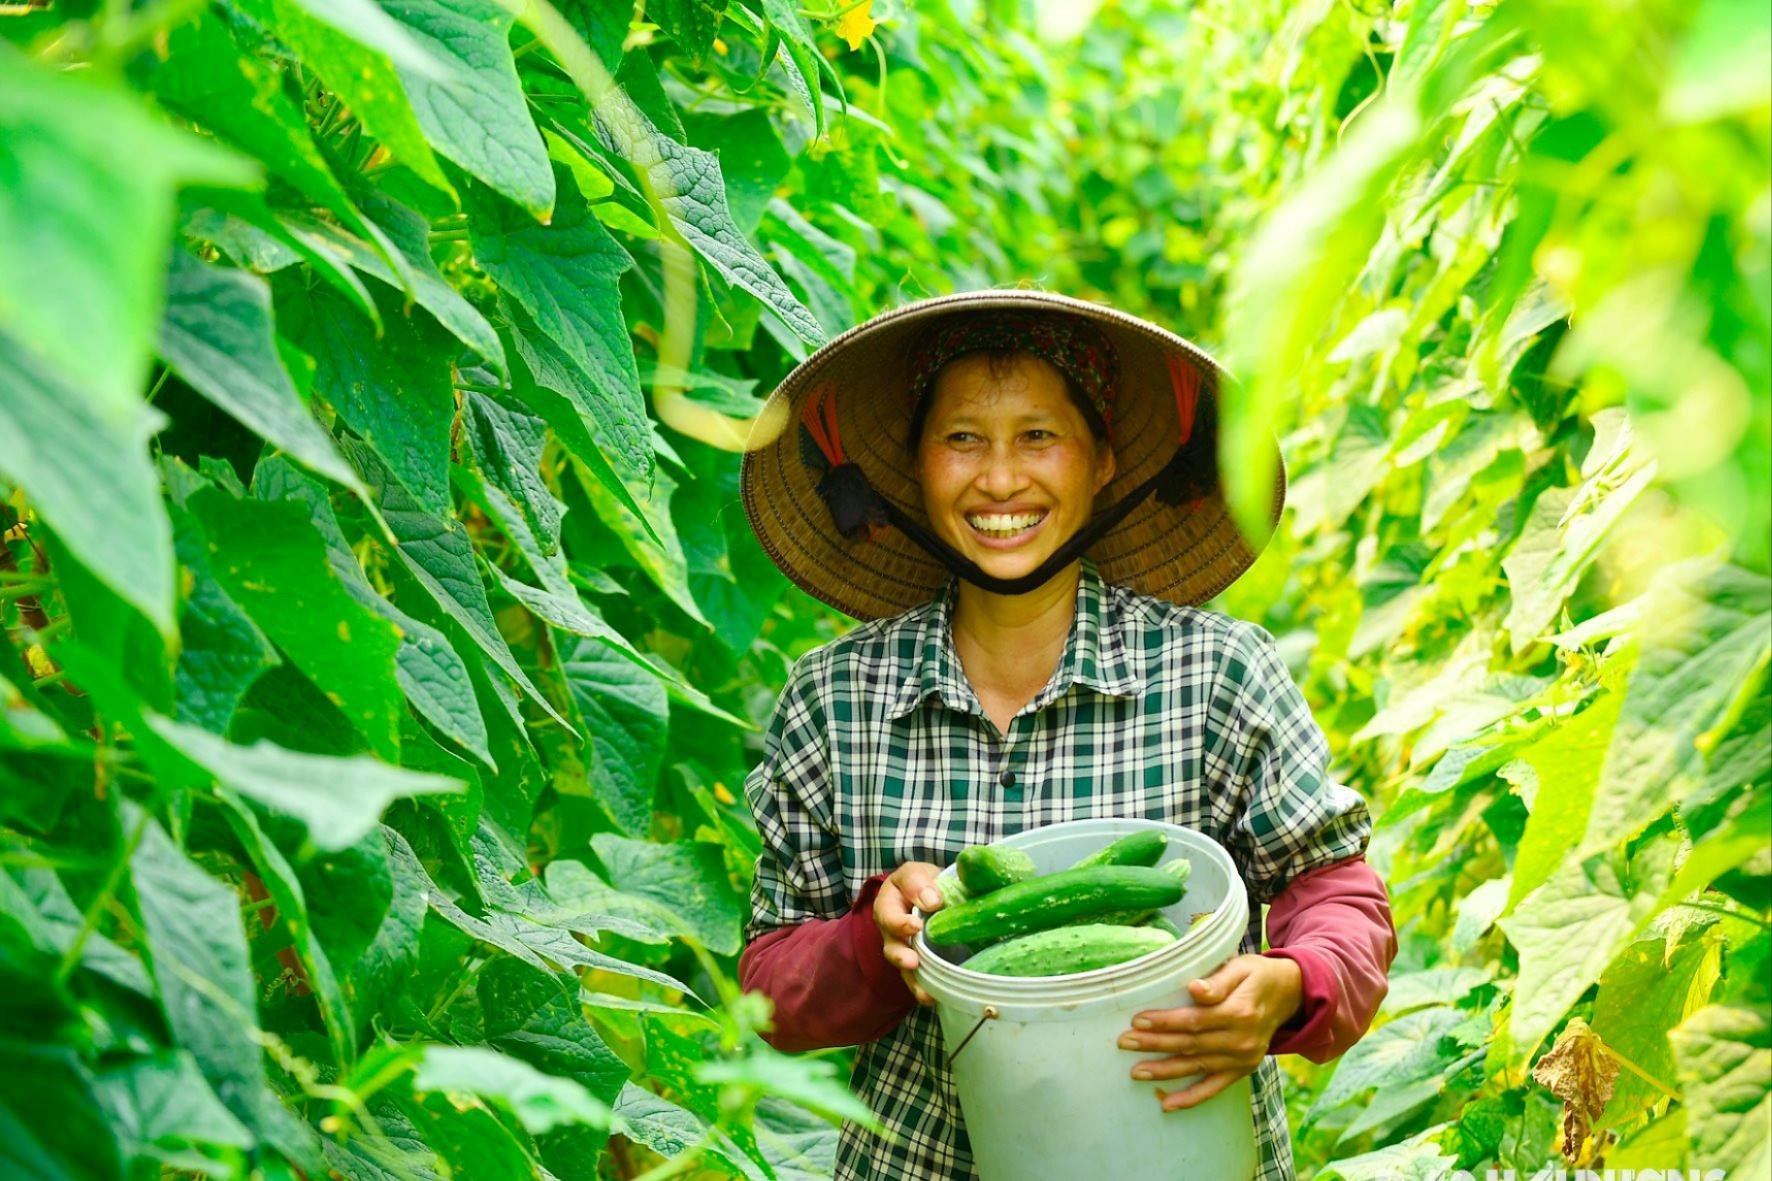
<point x="1019" y="490"/>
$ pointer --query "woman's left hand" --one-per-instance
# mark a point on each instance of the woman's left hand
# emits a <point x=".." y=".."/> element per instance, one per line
<point x="1224" y="1034"/>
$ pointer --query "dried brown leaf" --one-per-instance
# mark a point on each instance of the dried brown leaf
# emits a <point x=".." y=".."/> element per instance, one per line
<point x="1581" y="1072"/>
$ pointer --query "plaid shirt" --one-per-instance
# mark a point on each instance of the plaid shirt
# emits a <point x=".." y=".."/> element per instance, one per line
<point x="879" y="753"/>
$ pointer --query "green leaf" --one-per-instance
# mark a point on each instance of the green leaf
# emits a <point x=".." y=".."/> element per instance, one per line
<point x="648" y="534"/>
<point x="689" y="188"/>
<point x="386" y="963"/>
<point x="200" y="962"/>
<point x="353" y="46"/>
<point x="1653" y="985"/>
<point x="565" y="276"/>
<point x="1419" y="1158"/>
<point x="36" y="898"/>
<point x="275" y="565"/>
<point x="671" y="1130"/>
<point x="539" y="1019"/>
<point x="431" y="672"/>
<point x="84" y="230"/>
<point x="218" y="336"/>
<point x="1567" y="528"/>
<point x="160" y="1100"/>
<point x="437" y="552"/>
<point x="410" y="235"/>
<point x="1569" y="929"/>
<point x="540" y="1101"/>
<point x="473" y="110"/>
<point x="52" y="1127"/>
<point x="1565" y="767"/>
<point x="1724" y="1054"/>
<point x="508" y="443"/>
<point x="1402" y="1059"/>
<point x="1709" y="631"/>
<point x="811" y="1082"/>
<point x="205" y="76"/>
<point x="339" y="801"/>
<point x="627" y="722"/>
<point x="686" y="881"/>
<point x="88" y="475"/>
<point x="392" y="388"/>
<point x="222" y="652"/>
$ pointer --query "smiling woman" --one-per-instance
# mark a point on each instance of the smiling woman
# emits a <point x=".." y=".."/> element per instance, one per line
<point x="1021" y="490"/>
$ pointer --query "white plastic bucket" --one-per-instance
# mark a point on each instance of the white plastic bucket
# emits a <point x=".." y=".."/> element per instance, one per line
<point x="1046" y="1092"/>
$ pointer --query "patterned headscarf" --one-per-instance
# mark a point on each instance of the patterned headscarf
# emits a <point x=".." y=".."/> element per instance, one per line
<point x="1075" y="347"/>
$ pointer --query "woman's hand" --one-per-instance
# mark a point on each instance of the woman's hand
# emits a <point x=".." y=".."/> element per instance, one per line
<point x="912" y="883"/>
<point x="1225" y="1033"/>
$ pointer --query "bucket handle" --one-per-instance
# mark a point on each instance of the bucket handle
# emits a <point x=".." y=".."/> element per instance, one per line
<point x="990" y="1014"/>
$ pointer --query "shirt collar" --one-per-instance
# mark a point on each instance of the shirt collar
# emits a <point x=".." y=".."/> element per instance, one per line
<point x="1095" y="655"/>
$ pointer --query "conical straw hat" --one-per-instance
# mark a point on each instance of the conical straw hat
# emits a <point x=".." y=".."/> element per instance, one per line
<point x="1186" y="553"/>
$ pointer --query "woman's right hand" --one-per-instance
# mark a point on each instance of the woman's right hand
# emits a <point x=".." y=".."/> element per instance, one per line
<point x="912" y="883"/>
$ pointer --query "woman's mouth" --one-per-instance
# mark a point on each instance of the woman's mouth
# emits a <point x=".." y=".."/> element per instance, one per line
<point x="1005" y="527"/>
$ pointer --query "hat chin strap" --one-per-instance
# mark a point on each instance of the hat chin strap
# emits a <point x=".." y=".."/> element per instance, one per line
<point x="859" y="510"/>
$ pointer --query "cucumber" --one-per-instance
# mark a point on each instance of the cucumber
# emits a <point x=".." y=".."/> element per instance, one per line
<point x="1068" y="949"/>
<point x="1144" y="847"/>
<point x="952" y="890"/>
<point x="1180" y="869"/>
<point x="1161" y="923"/>
<point x="1053" y="900"/>
<point x="984" y="868"/>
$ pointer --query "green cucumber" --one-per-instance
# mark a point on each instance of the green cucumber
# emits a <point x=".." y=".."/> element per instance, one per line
<point x="1180" y="869"/>
<point x="1068" y="949"/>
<point x="1160" y="922"/>
<point x="952" y="890"/>
<point x="1144" y="847"/>
<point x="1053" y="900"/>
<point x="984" y="868"/>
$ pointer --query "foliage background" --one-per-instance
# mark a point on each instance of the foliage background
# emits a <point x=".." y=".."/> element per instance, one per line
<point x="387" y="645"/>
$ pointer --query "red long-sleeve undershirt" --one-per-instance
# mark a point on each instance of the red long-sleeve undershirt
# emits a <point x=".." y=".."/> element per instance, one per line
<point x="832" y="986"/>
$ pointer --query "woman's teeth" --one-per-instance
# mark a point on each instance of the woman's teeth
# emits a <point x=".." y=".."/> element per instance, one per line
<point x="1003" y="524"/>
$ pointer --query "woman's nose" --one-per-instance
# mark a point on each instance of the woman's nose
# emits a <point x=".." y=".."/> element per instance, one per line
<point x="1002" y="476"/>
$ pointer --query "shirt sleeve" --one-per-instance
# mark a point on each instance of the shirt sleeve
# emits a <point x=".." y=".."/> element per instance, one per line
<point x="1335" y="924"/>
<point x="800" y="866"/>
<point x="1292" y="816"/>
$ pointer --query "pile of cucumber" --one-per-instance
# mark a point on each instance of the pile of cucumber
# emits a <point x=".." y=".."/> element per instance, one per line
<point x="1104" y="910"/>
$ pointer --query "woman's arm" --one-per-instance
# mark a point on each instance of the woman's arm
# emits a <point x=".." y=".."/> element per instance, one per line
<point x="813" y="951"/>
<point x="829" y="979"/>
<point x="1334" y="922"/>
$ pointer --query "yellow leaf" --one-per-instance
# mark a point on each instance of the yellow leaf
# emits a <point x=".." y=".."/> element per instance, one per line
<point x="858" y="24"/>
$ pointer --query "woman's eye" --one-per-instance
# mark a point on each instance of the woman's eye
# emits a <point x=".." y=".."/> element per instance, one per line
<point x="961" y="436"/>
<point x="1038" y="435"/>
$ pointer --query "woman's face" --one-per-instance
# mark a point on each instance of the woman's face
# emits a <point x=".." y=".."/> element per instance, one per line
<point x="1007" y="463"/>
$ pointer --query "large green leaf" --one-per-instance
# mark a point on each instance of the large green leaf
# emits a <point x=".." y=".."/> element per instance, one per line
<point x="1706" y="630"/>
<point x="197" y="950"/>
<point x="339" y="801"/>
<point x="1724" y="1055"/>
<point x="626" y="721"/>
<point x="687" y="185"/>
<point x="353" y="45"/>
<point x="1565" y="770"/>
<point x="1567" y="527"/>
<point x="392" y="388"/>
<point x="84" y="228"/>
<point x="539" y="1100"/>
<point x="1405" y="1061"/>
<point x="472" y="109"/>
<point x="275" y="565"/>
<point x="565" y="276"/>
<point x="88" y="475"/>
<point x="218" y="336"/>
<point x="1568" y="930"/>
<point x="161" y="1101"/>
<point x="431" y="672"/>
<point x="410" y="235"/>
<point x="52" y="1127"/>
<point x="436" y="550"/>
<point x="539" y="1019"/>
<point x="1652" y="987"/>
<point x="686" y="880"/>
<point x="222" y="652"/>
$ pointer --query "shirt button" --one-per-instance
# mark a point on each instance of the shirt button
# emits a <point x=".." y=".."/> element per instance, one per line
<point x="1007" y="779"/>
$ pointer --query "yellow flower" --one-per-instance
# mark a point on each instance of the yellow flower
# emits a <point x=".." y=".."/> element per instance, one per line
<point x="857" y="24"/>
